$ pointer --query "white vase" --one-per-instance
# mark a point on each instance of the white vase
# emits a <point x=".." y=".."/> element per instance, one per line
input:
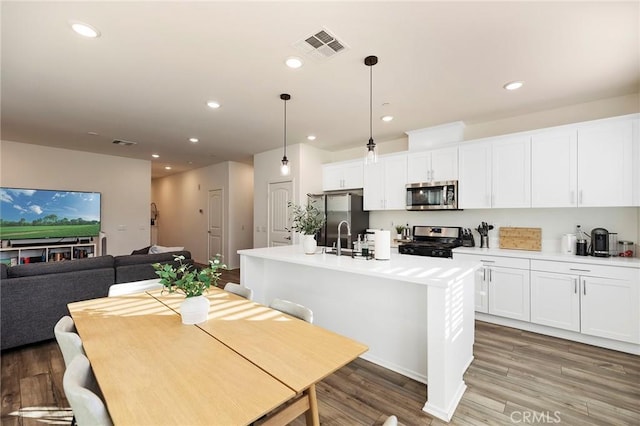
<point x="194" y="310"/>
<point x="309" y="244"/>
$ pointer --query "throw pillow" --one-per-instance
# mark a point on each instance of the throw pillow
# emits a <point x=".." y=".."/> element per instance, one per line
<point x="161" y="249"/>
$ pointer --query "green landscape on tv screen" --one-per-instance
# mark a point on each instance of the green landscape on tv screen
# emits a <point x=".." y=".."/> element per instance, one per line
<point x="38" y="214"/>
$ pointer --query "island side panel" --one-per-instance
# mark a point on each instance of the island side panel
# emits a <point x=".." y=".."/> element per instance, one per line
<point x="451" y="335"/>
<point x="388" y="315"/>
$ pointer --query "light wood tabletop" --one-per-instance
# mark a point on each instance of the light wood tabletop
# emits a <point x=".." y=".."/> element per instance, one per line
<point x="295" y="352"/>
<point x="152" y="369"/>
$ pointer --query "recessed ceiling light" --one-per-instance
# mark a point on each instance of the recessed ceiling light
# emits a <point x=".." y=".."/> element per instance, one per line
<point x="92" y="133"/>
<point x="155" y="155"/>
<point x="311" y="137"/>
<point x="386" y="118"/>
<point x="194" y="140"/>
<point x="84" y="30"/>
<point x="294" y="62"/>
<point x="167" y="167"/>
<point x="213" y="104"/>
<point x="514" y="85"/>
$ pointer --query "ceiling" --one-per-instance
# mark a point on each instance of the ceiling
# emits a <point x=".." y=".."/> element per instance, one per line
<point x="147" y="78"/>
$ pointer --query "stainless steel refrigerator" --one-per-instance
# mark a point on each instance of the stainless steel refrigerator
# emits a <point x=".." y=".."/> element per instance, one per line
<point x="339" y="206"/>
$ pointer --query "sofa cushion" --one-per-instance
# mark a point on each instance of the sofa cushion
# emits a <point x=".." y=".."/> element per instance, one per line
<point x="136" y="259"/>
<point x="33" y="269"/>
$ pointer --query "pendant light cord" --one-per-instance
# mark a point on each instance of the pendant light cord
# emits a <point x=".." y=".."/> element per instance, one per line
<point x="371" y="102"/>
<point x="285" y="127"/>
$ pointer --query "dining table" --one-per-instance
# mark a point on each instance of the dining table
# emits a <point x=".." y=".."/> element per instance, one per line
<point x="247" y="363"/>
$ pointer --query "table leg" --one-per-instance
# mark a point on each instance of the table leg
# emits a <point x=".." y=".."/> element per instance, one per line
<point x="313" y="418"/>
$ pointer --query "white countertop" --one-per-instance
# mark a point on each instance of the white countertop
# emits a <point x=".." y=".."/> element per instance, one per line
<point x="627" y="262"/>
<point x="416" y="269"/>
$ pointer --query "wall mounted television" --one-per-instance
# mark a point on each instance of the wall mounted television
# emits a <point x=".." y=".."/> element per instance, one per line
<point x="42" y="214"/>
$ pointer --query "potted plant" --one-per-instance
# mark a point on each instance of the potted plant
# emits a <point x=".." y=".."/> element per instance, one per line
<point x="307" y="221"/>
<point x="399" y="229"/>
<point x="192" y="282"/>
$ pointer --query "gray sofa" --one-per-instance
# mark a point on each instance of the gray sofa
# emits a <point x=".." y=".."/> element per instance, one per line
<point x="33" y="297"/>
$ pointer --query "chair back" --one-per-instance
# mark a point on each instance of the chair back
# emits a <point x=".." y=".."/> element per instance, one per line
<point x="68" y="340"/>
<point x="234" y="288"/>
<point x="293" y="309"/>
<point x="134" y="287"/>
<point x="78" y="383"/>
<point x="391" y="421"/>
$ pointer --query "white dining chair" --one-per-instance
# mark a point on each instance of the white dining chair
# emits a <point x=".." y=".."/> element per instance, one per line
<point x="293" y="309"/>
<point x="242" y="291"/>
<point x="68" y="339"/>
<point x="134" y="287"/>
<point x="80" y="387"/>
<point x="391" y="421"/>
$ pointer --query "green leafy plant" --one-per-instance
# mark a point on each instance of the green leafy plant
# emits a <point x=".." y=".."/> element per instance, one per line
<point x="399" y="229"/>
<point x="187" y="279"/>
<point x="307" y="220"/>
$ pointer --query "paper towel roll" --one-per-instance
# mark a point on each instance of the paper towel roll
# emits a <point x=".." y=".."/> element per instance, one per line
<point x="382" y="245"/>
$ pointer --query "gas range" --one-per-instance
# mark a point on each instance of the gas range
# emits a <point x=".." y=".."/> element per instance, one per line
<point x="433" y="241"/>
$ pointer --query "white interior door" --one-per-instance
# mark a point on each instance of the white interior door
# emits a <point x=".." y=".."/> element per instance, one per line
<point x="280" y="193"/>
<point x="216" y="233"/>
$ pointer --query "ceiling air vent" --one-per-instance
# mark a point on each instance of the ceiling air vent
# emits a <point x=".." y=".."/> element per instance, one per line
<point x="123" y="143"/>
<point x="321" y="45"/>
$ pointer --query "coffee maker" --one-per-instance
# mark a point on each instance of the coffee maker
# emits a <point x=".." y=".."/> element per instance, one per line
<point x="599" y="242"/>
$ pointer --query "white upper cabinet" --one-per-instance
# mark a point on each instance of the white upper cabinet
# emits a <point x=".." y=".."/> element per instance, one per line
<point x="385" y="183"/>
<point x="554" y="168"/>
<point x="605" y="163"/>
<point x="636" y="162"/>
<point x="474" y="182"/>
<point x="432" y="166"/>
<point x="511" y="172"/>
<point x="342" y="175"/>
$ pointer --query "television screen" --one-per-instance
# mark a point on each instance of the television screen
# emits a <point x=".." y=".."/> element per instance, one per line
<point x="40" y="213"/>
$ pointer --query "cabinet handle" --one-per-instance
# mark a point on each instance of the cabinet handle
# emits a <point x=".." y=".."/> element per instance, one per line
<point x="580" y="270"/>
<point x="484" y="274"/>
<point x="487" y="261"/>
<point x="575" y="286"/>
<point x="584" y="287"/>
<point x="490" y="278"/>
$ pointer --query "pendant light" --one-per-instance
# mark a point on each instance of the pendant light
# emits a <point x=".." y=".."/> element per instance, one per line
<point x="284" y="169"/>
<point x="372" y="153"/>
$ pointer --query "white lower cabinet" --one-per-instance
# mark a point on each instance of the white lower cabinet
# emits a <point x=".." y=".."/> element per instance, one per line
<point x="555" y="300"/>
<point x="595" y="300"/>
<point x="502" y="287"/>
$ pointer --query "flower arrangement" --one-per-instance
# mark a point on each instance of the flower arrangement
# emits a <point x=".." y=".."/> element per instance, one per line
<point x="187" y="279"/>
<point x="307" y="220"/>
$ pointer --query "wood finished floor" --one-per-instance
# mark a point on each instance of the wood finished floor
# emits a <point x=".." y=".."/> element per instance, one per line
<point x="517" y="377"/>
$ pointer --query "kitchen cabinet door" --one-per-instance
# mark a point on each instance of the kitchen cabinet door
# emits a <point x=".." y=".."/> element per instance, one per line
<point x="610" y="308"/>
<point x="511" y="172"/>
<point x="474" y="183"/>
<point x="554" y="168"/>
<point x="482" y="291"/>
<point x="509" y="293"/>
<point x="395" y="184"/>
<point x="385" y="184"/>
<point x="343" y="175"/>
<point x="373" y="191"/>
<point x="605" y="164"/>
<point x="419" y="167"/>
<point x="555" y="300"/>
<point x="444" y="164"/>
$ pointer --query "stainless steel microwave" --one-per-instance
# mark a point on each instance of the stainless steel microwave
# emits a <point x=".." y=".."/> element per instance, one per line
<point x="433" y="195"/>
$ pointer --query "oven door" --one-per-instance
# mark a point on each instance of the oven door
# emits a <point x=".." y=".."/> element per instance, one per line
<point x="432" y="196"/>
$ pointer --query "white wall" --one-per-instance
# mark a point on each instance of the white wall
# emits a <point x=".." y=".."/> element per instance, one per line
<point x="183" y="200"/>
<point x="123" y="182"/>
<point x="305" y="173"/>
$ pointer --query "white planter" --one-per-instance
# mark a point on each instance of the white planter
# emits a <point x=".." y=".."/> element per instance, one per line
<point x="309" y="244"/>
<point x="194" y="310"/>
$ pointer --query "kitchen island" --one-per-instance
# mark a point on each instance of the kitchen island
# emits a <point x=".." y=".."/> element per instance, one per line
<point x="415" y="313"/>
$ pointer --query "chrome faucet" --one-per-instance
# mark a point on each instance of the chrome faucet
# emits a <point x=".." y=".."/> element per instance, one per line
<point x="338" y="248"/>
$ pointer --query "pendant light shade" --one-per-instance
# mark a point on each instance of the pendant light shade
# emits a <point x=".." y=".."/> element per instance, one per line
<point x="284" y="168"/>
<point x="372" y="153"/>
